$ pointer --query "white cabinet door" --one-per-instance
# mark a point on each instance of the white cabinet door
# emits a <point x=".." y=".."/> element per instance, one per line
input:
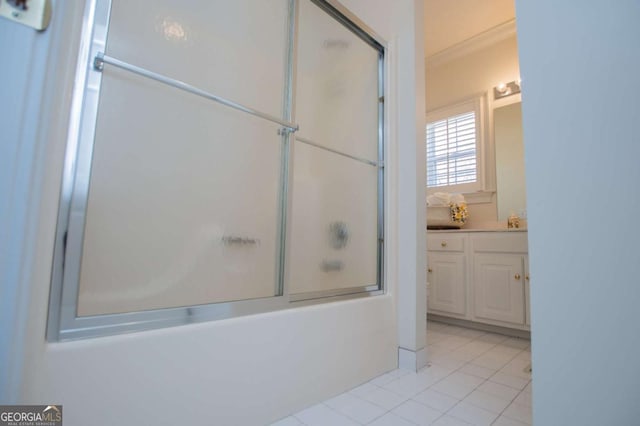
<point x="527" y="300"/>
<point x="447" y="281"/>
<point x="499" y="289"/>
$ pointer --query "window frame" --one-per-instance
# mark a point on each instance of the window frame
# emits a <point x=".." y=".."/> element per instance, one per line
<point x="477" y="104"/>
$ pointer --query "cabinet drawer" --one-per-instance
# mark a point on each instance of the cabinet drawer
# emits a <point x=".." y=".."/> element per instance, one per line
<point x="445" y="242"/>
<point x="500" y="242"/>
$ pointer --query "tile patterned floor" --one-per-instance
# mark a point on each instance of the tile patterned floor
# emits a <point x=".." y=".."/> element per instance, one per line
<point x="474" y="378"/>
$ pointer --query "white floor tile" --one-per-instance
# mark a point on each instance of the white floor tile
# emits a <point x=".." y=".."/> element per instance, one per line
<point x="388" y="377"/>
<point x="434" y="350"/>
<point x="489" y="402"/>
<point x="434" y="325"/>
<point x="442" y="370"/>
<point x="410" y="385"/>
<point x="364" y="389"/>
<point x="463" y="377"/>
<point x="385" y="398"/>
<point x="431" y="376"/>
<point x="518" y="367"/>
<point x="509" y="380"/>
<point x="478" y="347"/>
<point x="506" y="350"/>
<point x="474" y="377"/>
<point x="340" y="400"/>
<point x="525" y="355"/>
<point x="321" y="415"/>
<point x="288" y="421"/>
<point x="390" y="419"/>
<point x="448" y="360"/>
<point x="449" y="421"/>
<point x="493" y="360"/>
<point x="434" y="337"/>
<point x="524" y="398"/>
<point x="453" y="388"/>
<point x="472" y="414"/>
<point x="382" y="379"/>
<point x="399" y="372"/>
<point x="463" y="354"/>
<point x="457" y="385"/>
<point x="498" y="390"/>
<point x="517" y="343"/>
<point x="468" y="332"/>
<point x="492" y="338"/>
<point x="355" y="408"/>
<point x="417" y="413"/>
<point x="506" y="421"/>
<point x="437" y="400"/>
<point x="519" y="412"/>
<point x="436" y="370"/>
<point x="476" y="370"/>
<point x="453" y="342"/>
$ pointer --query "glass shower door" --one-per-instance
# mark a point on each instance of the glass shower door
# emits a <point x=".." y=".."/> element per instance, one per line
<point x="189" y="192"/>
<point x="335" y="228"/>
<point x="184" y="195"/>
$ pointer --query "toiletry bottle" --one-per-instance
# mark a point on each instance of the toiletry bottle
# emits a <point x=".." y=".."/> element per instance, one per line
<point x="513" y="222"/>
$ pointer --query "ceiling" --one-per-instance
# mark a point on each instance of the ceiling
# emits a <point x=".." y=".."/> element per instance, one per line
<point x="449" y="22"/>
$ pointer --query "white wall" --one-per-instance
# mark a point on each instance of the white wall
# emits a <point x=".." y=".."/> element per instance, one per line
<point x="580" y="67"/>
<point x="248" y="370"/>
<point x="471" y="74"/>
<point x="411" y="191"/>
<point x="468" y="76"/>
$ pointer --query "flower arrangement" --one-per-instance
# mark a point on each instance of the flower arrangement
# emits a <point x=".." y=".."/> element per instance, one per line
<point x="459" y="213"/>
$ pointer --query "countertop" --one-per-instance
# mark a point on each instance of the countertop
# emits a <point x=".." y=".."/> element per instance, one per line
<point x="438" y="231"/>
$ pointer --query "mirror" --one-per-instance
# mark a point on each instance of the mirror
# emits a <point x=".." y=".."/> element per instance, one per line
<point x="507" y="121"/>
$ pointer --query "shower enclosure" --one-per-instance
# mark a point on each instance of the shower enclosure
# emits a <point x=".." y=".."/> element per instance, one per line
<point x="224" y="158"/>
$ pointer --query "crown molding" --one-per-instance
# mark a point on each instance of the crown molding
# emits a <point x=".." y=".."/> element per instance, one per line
<point x="478" y="42"/>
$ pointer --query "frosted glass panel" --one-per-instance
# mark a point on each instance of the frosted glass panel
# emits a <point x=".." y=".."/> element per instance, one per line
<point x="175" y="208"/>
<point x="337" y="85"/>
<point x="183" y="201"/>
<point x="235" y="49"/>
<point x="333" y="223"/>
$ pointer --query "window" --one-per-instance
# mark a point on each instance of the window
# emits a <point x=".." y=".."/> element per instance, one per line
<point x="453" y="138"/>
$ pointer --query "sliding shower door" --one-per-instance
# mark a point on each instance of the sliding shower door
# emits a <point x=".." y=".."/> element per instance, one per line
<point x="186" y="172"/>
<point x="183" y="201"/>
<point x="336" y="193"/>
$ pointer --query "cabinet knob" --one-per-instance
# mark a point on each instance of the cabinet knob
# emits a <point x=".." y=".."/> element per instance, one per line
<point x="517" y="277"/>
<point x="443" y="244"/>
<point x="526" y="277"/>
<point x="429" y="270"/>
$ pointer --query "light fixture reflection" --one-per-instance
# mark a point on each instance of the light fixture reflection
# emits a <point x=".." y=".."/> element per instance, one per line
<point x="173" y="30"/>
<point x="506" y="89"/>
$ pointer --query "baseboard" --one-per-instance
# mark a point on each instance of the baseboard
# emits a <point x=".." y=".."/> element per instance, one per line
<point x="522" y="334"/>
<point x="412" y="360"/>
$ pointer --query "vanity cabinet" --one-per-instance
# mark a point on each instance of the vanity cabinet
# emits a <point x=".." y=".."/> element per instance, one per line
<point x="480" y="276"/>
<point x="499" y="276"/>
<point x="498" y="284"/>
<point x="446" y="275"/>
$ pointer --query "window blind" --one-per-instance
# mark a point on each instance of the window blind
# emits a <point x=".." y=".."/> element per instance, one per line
<point x="451" y="150"/>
